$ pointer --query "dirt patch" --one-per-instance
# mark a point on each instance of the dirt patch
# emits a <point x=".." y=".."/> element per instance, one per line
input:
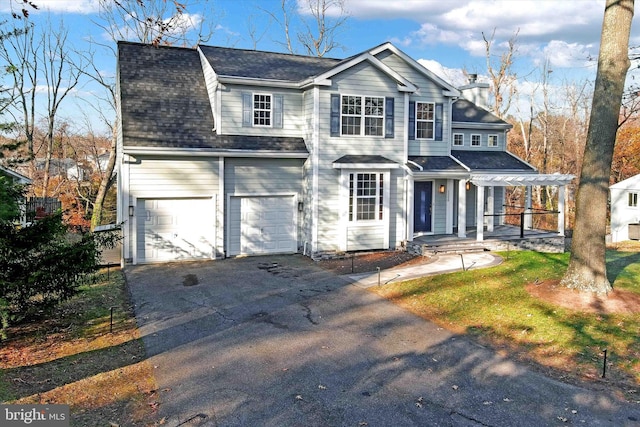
<point x="618" y="301"/>
<point x="370" y="261"/>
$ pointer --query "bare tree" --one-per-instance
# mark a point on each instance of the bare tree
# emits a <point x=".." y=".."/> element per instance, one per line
<point x="61" y="75"/>
<point x="20" y="55"/>
<point x="157" y="22"/>
<point x="316" y="24"/>
<point x="501" y="74"/>
<point x="587" y="266"/>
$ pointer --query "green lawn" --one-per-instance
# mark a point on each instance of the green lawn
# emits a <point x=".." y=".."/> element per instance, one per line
<point x="493" y="306"/>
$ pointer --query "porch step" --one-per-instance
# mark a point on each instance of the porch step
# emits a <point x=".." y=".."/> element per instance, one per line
<point x="452" y="248"/>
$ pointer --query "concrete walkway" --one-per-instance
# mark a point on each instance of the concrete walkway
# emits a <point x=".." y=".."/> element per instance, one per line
<point x="440" y="264"/>
<point x="277" y="341"/>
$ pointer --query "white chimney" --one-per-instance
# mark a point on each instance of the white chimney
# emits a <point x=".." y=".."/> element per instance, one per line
<point x="476" y="92"/>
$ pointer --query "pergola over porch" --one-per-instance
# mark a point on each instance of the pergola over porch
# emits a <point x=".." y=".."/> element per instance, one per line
<point x="492" y="180"/>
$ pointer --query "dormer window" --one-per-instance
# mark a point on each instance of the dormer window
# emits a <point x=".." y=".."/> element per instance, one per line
<point x="261" y="109"/>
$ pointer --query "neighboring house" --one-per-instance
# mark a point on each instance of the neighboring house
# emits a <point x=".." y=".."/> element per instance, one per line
<point x="227" y="152"/>
<point x="17" y="178"/>
<point x="66" y="168"/>
<point x="625" y="211"/>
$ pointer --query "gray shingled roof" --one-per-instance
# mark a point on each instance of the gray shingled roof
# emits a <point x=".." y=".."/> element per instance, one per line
<point x="435" y="163"/>
<point x="491" y="160"/>
<point x="164" y="103"/>
<point x="363" y="158"/>
<point x="468" y="112"/>
<point x="265" y="65"/>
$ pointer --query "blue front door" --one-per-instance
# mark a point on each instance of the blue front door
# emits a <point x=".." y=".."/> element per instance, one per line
<point x="422" y="197"/>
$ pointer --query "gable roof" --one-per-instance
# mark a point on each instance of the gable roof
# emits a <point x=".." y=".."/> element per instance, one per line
<point x="415" y="64"/>
<point x="164" y="103"/>
<point x="15" y="176"/>
<point x="632" y="183"/>
<point x="257" y="64"/>
<point x="464" y="111"/>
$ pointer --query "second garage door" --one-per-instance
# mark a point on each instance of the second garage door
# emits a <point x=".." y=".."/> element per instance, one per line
<point x="262" y="225"/>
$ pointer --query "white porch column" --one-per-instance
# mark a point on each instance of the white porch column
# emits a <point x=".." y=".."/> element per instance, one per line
<point x="410" y="210"/>
<point x="480" y="213"/>
<point x="561" y="210"/>
<point x="528" y="218"/>
<point x="490" y="208"/>
<point x="462" y="209"/>
<point x="449" y="213"/>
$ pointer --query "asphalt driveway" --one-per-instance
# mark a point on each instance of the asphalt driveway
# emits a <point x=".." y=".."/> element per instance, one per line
<point x="277" y="341"/>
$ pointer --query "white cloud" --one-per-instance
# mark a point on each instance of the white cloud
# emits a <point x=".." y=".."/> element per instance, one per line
<point x="563" y="54"/>
<point x="453" y="76"/>
<point x="68" y="6"/>
<point x="564" y="31"/>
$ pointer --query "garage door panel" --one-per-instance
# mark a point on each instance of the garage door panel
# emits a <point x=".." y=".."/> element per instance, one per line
<point x="175" y="229"/>
<point x="262" y="225"/>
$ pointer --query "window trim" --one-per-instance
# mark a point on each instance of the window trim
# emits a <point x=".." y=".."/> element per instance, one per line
<point x="489" y="137"/>
<point x="632" y="201"/>
<point x="479" y="144"/>
<point x="254" y="109"/>
<point x="353" y="177"/>
<point x="432" y="121"/>
<point x="454" y="140"/>
<point x="363" y="116"/>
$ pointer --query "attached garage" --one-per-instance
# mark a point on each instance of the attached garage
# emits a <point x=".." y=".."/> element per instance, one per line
<point x="175" y="229"/>
<point x="260" y="225"/>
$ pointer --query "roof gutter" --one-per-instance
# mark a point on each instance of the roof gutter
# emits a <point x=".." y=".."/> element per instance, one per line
<point x="210" y="152"/>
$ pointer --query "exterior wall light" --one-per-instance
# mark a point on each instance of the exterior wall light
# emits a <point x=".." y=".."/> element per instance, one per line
<point x="442" y="188"/>
<point x="468" y="185"/>
<point x="130" y="210"/>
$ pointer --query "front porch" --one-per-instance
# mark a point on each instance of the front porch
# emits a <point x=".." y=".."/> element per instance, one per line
<point x="500" y="238"/>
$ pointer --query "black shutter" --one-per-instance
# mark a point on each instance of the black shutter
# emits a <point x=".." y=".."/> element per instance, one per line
<point x="278" y="107"/>
<point x="335" y="114"/>
<point x="247" y="107"/>
<point x="412" y="120"/>
<point x="439" y="122"/>
<point x="388" y="117"/>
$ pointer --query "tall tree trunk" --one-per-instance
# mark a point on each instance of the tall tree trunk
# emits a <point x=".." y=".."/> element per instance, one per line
<point x="105" y="184"/>
<point x="587" y="267"/>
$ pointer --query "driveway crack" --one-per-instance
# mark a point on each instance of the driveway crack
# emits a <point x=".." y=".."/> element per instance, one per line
<point x="309" y="314"/>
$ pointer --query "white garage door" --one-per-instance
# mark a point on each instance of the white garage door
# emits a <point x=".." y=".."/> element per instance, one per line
<point x="175" y="229"/>
<point x="261" y="225"/>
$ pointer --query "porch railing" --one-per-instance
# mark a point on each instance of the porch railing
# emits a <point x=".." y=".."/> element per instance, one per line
<point x="539" y="218"/>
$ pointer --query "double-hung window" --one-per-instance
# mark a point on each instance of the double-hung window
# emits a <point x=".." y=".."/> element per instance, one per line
<point x="458" y="139"/>
<point x="633" y="200"/>
<point x="365" y="196"/>
<point x="262" y="109"/>
<point x="475" y="140"/>
<point x="425" y="120"/>
<point x="492" y="141"/>
<point x="362" y="115"/>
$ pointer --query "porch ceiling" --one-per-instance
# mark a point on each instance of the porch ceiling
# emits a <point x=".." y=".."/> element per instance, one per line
<point x="490" y="180"/>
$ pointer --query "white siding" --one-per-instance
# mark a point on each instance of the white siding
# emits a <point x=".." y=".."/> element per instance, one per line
<point x="155" y="177"/>
<point x="364" y="80"/>
<point x="428" y="91"/>
<point x="231" y="114"/>
<point x="484" y="137"/>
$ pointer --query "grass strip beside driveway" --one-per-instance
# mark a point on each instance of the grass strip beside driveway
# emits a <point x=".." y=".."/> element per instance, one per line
<point x="75" y="356"/>
<point x="493" y="306"/>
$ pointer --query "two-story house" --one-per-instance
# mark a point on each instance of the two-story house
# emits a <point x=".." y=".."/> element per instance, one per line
<point x="226" y="152"/>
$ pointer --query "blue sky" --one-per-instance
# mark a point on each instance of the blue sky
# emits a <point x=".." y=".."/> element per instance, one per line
<point x="446" y="36"/>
